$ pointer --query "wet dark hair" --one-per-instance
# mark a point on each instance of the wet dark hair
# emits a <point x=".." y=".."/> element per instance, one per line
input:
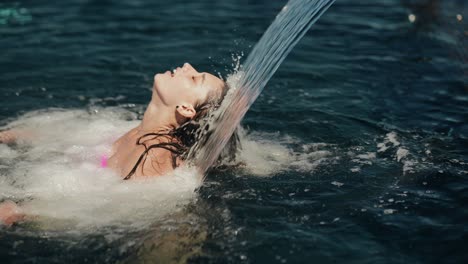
<point x="180" y="140"/>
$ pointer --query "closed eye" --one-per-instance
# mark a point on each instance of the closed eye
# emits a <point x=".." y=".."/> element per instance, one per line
<point x="194" y="78"/>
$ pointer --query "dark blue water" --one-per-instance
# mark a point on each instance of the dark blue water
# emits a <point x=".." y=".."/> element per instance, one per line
<point x="371" y="104"/>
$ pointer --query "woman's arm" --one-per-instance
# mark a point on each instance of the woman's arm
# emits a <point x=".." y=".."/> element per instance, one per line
<point x="7" y="136"/>
<point x="10" y="213"/>
<point x="13" y="135"/>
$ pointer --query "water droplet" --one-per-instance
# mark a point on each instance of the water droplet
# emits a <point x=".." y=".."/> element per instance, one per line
<point x="339" y="184"/>
<point x="411" y="18"/>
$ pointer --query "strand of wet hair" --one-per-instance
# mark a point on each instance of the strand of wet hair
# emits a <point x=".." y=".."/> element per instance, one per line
<point x="174" y="148"/>
<point x="187" y="134"/>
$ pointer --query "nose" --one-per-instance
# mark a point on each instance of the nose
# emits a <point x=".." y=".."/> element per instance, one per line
<point x="188" y="67"/>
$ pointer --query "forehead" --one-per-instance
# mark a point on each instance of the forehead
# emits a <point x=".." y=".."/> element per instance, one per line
<point x="213" y="86"/>
<point x="212" y="80"/>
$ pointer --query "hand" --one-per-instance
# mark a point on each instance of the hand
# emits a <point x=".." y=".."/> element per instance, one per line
<point x="10" y="213"/>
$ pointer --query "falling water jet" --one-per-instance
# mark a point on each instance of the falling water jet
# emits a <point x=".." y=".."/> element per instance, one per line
<point x="290" y="25"/>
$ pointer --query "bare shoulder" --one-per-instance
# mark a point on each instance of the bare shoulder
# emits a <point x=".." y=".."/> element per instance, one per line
<point x="124" y="138"/>
<point x="159" y="161"/>
<point x="156" y="155"/>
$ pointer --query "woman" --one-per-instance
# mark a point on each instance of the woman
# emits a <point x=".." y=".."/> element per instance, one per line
<point x="170" y="127"/>
<point x="160" y="143"/>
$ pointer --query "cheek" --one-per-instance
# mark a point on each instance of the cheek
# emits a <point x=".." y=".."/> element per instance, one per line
<point x="171" y="90"/>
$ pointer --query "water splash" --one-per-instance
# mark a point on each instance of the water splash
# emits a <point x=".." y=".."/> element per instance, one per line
<point x="290" y="25"/>
<point x="57" y="180"/>
<point x="56" y="177"/>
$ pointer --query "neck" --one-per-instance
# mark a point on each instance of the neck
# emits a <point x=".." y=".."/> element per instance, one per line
<point x="157" y="118"/>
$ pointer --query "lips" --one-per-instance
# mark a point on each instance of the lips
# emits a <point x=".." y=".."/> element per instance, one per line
<point x="173" y="72"/>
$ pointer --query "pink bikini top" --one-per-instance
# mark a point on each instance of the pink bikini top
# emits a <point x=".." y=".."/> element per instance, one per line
<point x="104" y="159"/>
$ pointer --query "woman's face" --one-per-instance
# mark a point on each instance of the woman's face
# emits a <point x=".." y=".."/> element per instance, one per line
<point x="185" y="85"/>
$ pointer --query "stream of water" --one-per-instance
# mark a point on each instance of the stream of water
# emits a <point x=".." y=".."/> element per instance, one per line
<point x="290" y="25"/>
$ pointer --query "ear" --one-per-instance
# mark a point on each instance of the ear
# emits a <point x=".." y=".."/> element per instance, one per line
<point x="186" y="110"/>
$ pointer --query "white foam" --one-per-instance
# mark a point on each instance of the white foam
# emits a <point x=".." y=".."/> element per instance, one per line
<point x="57" y="173"/>
<point x="408" y="166"/>
<point x="7" y="153"/>
<point x="401" y="153"/>
<point x="390" y="138"/>
<point x="263" y="157"/>
<point x="338" y="184"/>
<point x="266" y="154"/>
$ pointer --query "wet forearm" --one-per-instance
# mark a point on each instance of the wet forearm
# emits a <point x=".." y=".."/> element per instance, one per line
<point x="8" y="136"/>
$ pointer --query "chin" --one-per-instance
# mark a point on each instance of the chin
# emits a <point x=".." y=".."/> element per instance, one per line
<point x="158" y="79"/>
<point x="157" y="76"/>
